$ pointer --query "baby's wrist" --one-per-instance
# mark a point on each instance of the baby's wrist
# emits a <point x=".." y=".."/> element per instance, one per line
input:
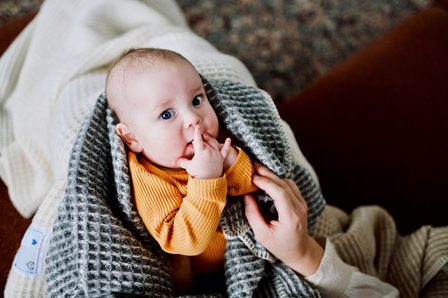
<point x="209" y="171"/>
<point x="205" y="175"/>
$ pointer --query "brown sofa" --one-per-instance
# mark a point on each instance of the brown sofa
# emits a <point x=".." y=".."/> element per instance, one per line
<point x="374" y="128"/>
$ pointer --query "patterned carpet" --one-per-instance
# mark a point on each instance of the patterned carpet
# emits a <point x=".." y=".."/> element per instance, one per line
<point x="286" y="44"/>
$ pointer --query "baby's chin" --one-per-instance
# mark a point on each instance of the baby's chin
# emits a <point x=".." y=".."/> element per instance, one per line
<point x="165" y="164"/>
<point x="170" y="167"/>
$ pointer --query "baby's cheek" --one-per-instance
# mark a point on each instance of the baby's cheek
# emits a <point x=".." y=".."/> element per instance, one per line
<point x="213" y="125"/>
<point x="176" y="162"/>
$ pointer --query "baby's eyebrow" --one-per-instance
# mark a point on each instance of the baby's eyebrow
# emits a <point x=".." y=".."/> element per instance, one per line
<point x="162" y="104"/>
<point x="197" y="88"/>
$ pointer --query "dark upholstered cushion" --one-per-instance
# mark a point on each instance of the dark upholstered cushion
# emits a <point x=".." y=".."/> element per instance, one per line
<point x="376" y="127"/>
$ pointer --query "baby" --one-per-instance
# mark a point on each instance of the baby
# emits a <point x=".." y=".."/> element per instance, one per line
<point x="181" y="171"/>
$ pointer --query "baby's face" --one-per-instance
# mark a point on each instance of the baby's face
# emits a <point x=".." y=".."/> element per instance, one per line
<point x="167" y="103"/>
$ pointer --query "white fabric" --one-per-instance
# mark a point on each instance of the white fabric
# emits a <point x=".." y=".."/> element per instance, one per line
<point x="50" y="78"/>
<point x="334" y="278"/>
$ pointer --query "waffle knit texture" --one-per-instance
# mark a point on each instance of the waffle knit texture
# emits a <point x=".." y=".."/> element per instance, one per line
<point x="182" y="214"/>
<point x="98" y="230"/>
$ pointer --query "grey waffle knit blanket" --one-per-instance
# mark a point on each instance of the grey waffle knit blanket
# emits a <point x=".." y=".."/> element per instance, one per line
<point x="99" y="245"/>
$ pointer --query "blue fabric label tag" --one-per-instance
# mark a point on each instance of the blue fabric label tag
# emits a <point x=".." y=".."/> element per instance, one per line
<point x="28" y="259"/>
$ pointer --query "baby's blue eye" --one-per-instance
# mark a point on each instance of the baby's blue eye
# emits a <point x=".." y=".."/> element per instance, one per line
<point x="167" y="114"/>
<point x="197" y="100"/>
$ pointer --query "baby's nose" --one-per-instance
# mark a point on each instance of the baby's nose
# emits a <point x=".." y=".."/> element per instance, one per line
<point x="191" y="120"/>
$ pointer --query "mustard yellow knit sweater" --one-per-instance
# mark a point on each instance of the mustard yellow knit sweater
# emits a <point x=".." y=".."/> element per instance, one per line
<point x="182" y="213"/>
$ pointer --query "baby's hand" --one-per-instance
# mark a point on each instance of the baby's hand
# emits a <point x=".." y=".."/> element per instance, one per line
<point x="208" y="159"/>
<point x="232" y="156"/>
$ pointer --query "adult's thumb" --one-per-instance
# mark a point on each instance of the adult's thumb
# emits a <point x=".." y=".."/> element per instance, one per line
<point x="254" y="217"/>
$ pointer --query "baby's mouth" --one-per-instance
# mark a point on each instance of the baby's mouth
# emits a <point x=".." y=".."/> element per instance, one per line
<point x="190" y="144"/>
<point x="189" y="150"/>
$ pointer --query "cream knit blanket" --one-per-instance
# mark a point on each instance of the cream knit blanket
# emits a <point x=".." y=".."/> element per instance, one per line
<point x="416" y="263"/>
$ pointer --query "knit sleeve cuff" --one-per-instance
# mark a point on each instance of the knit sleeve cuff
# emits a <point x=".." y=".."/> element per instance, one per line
<point x="333" y="275"/>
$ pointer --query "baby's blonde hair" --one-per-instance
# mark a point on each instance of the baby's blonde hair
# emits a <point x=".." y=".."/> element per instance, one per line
<point x="132" y="61"/>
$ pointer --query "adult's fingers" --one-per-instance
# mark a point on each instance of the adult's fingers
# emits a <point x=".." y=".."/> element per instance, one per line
<point x="295" y="190"/>
<point x="297" y="201"/>
<point x="265" y="172"/>
<point x="287" y="187"/>
<point x="280" y="192"/>
<point x="254" y="217"/>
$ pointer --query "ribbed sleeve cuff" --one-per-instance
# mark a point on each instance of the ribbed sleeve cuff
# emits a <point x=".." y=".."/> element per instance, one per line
<point x="208" y="189"/>
<point x="239" y="175"/>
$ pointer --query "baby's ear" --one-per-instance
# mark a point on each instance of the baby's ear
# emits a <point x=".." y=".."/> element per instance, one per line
<point x="128" y="136"/>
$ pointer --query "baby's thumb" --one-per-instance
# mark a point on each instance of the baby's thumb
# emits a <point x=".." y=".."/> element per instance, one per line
<point x="225" y="149"/>
<point x="254" y="217"/>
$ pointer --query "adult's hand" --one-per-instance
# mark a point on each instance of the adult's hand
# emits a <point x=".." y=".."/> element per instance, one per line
<point x="286" y="238"/>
